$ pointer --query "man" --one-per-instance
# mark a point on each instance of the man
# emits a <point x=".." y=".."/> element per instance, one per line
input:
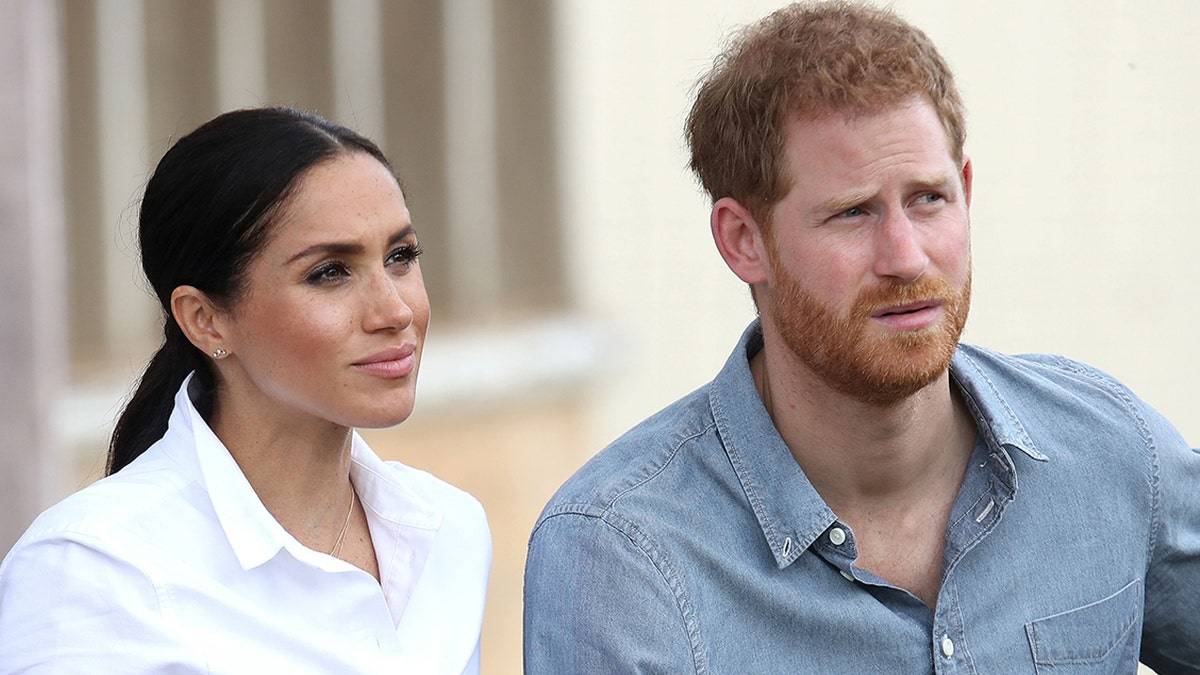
<point x="856" y="491"/>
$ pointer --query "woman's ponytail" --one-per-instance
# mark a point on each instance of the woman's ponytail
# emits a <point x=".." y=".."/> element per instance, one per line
<point x="145" y="417"/>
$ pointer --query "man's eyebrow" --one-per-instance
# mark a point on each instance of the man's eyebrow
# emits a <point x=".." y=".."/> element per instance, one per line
<point x="938" y="180"/>
<point x="844" y="202"/>
<point x="347" y="248"/>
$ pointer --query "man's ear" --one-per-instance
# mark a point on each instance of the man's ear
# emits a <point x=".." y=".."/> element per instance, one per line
<point x="200" y="320"/>
<point x="967" y="175"/>
<point x="739" y="238"/>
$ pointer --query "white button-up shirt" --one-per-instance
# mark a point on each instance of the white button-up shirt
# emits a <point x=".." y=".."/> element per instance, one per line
<point x="174" y="565"/>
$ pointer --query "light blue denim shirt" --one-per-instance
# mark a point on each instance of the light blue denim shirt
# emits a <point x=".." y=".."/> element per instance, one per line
<point x="695" y="543"/>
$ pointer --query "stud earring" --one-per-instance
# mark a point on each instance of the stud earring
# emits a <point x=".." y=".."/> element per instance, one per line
<point x="219" y="353"/>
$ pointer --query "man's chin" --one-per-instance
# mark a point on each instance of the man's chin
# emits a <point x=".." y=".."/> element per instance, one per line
<point x="891" y="373"/>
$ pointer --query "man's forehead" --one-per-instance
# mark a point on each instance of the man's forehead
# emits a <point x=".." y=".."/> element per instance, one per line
<point x="801" y="124"/>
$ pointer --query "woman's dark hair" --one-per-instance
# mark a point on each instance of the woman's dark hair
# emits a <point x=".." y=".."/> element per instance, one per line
<point x="208" y="210"/>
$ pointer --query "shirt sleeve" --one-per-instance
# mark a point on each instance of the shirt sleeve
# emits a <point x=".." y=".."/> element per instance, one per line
<point x="600" y="599"/>
<point x="1171" y="632"/>
<point x="70" y="607"/>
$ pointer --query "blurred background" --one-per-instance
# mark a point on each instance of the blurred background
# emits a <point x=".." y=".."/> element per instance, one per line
<point x="574" y="283"/>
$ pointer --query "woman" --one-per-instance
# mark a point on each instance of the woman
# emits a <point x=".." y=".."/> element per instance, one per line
<point x="244" y="526"/>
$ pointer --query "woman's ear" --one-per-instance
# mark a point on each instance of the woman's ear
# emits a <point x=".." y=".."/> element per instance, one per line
<point x="740" y="240"/>
<point x="200" y="320"/>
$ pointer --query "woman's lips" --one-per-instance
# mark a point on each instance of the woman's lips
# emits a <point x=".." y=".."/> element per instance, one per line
<point x="391" y="363"/>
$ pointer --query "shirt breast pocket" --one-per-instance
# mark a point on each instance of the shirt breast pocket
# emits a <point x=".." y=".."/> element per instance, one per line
<point x="1101" y="637"/>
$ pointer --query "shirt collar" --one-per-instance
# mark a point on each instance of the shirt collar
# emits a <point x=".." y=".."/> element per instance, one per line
<point x="789" y="510"/>
<point x="403" y="523"/>
<point x="993" y="415"/>
<point x="253" y="533"/>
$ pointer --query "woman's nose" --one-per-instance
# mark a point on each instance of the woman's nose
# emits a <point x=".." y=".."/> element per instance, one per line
<point x="386" y="304"/>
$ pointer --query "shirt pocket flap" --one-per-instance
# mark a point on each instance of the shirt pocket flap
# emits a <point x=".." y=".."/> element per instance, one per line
<point x="1087" y="634"/>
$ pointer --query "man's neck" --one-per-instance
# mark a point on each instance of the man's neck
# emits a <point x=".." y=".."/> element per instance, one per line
<point x="890" y="472"/>
<point x="849" y="447"/>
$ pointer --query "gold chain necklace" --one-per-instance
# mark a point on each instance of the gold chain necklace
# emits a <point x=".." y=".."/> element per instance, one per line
<point x="337" y="545"/>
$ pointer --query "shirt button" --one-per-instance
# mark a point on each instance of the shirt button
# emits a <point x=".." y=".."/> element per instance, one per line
<point x="849" y="577"/>
<point x="837" y="536"/>
<point x="947" y="646"/>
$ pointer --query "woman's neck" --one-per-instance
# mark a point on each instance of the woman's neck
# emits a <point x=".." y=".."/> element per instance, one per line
<point x="299" y="466"/>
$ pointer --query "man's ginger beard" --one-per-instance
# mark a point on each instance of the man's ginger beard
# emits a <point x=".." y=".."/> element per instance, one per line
<point x="852" y="357"/>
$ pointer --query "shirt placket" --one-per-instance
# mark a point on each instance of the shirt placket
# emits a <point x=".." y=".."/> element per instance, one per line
<point x="988" y="486"/>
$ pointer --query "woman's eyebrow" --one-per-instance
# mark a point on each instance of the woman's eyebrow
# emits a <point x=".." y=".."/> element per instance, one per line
<point x="347" y="247"/>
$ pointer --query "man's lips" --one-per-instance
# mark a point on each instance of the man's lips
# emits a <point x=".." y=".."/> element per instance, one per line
<point x="910" y="308"/>
<point x="910" y="316"/>
<point x="393" y="362"/>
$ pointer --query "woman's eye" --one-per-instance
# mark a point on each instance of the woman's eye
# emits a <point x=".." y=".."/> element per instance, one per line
<point x="405" y="255"/>
<point x="327" y="273"/>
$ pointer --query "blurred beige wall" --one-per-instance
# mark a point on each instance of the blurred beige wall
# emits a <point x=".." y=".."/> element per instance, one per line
<point x="32" y="305"/>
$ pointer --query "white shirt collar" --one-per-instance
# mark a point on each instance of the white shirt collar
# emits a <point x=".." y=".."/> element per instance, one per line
<point x="256" y="537"/>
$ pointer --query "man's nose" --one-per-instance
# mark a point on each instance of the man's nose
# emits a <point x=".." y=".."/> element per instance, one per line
<point x="899" y="252"/>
